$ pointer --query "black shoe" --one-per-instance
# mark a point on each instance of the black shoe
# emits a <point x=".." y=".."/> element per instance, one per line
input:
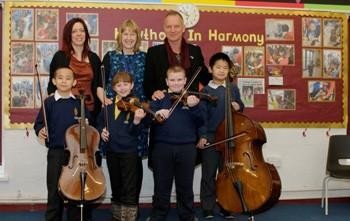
<point x="208" y="214"/>
<point x="226" y="214"/>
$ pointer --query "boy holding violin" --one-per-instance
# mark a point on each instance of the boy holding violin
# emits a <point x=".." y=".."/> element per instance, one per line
<point x="120" y="129"/>
<point x="174" y="148"/>
<point x="220" y="66"/>
<point x="61" y="111"/>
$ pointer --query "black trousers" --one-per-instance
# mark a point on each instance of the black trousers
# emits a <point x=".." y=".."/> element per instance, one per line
<point x="55" y="203"/>
<point x="124" y="177"/>
<point x="173" y="162"/>
<point x="210" y="164"/>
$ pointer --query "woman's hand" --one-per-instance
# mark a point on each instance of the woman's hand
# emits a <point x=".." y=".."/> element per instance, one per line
<point x="158" y="95"/>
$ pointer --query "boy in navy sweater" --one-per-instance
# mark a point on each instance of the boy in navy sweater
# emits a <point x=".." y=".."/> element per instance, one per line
<point x="121" y="149"/>
<point x="174" y="150"/>
<point x="61" y="110"/>
<point x="219" y="65"/>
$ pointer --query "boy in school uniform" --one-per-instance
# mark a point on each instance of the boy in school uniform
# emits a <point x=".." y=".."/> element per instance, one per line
<point x="219" y="65"/>
<point x="61" y="111"/>
<point x="121" y="139"/>
<point x="174" y="149"/>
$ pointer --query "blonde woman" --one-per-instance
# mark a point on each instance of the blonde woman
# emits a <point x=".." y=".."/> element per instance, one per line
<point x="127" y="58"/>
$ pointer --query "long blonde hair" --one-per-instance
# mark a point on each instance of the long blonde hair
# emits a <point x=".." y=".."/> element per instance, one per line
<point x="129" y="24"/>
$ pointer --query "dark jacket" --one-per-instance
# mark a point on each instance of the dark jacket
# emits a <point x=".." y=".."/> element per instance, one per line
<point x="61" y="60"/>
<point x="157" y="65"/>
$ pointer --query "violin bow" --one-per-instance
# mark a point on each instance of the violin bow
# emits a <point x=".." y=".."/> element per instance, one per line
<point x="185" y="90"/>
<point x="225" y="140"/>
<point x="42" y="102"/>
<point x="103" y="75"/>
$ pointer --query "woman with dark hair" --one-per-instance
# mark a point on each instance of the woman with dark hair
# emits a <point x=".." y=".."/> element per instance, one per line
<point x="76" y="54"/>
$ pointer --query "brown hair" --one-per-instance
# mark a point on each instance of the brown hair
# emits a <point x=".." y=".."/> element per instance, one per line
<point x="175" y="69"/>
<point x="67" y="38"/>
<point x="122" y="76"/>
<point x="128" y="24"/>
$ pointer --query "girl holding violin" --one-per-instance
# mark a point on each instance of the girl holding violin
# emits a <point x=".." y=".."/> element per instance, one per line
<point x="128" y="57"/>
<point x="220" y="66"/>
<point x="174" y="151"/>
<point x="120" y="131"/>
<point x="61" y="113"/>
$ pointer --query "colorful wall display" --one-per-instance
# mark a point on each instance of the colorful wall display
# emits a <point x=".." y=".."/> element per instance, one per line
<point x="291" y="63"/>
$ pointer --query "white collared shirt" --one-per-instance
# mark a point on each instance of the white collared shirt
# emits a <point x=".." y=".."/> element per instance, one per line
<point x="214" y="86"/>
<point x="58" y="96"/>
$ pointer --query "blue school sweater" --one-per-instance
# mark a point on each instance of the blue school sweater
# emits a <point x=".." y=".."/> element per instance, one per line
<point x="214" y="113"/>
<point x="123" y="132"/>
<point x="60" y="116"/>
<point x="182" y="125"/>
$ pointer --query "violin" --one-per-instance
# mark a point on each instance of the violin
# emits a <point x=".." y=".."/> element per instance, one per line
<point x="131" y="104"/>
<point x="200" y="95"/>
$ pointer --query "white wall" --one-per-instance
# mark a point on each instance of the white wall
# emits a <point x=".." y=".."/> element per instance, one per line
<point x="301" y="166"/>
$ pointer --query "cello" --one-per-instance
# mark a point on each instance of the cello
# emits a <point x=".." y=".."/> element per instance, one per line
<point x="82" y="178"/>
<point x="245" y="183"/>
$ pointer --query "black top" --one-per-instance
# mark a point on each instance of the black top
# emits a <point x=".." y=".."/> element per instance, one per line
<point x="157" y="65"/>
<point x="61" y="60"/>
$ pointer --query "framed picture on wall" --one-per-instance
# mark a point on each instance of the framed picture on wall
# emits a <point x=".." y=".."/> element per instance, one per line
<point x="312" y="32"/>
<point x="312" y="63"/>
<point x="91" y="21"/>
<point x="279" y="29"/>
<point x="280" y="54"/>
<point x="44" y="54"/>
<point x="321" y="91"/>
<point x="332" y="63"/>
<point x="22" y="24"/>
<point x="332" y="32"/>
<point x="275" y="73"/>
<point x="44" y="81"/>
<point x="235" y="53"/>
<point x="254" y="61"/>
<point x="46" y="24"/>
<point x="281" y="99"/>
<point x="22" y="92"/>
<point x="247" y="94"/>
<point x="22" y="58"/>
<point x="94" y="45"/>
<point x="108" y="45"/>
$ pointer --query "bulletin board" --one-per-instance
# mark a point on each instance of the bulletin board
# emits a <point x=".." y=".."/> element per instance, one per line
<point x="292" y="68"/>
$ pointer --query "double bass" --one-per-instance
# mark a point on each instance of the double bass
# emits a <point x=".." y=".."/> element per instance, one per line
<point x="82" y="179"/>
<point x="245" y="183"/>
